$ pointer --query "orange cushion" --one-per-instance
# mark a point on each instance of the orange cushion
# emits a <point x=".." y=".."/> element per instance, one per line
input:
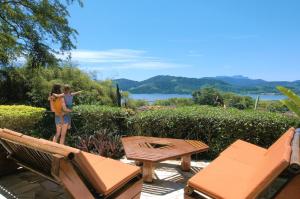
<point x="231" y="175"/>
<point x="223" y="178"/>
<point x="276" y="159"/>
<point x="285" y="139"/>
<point x="244" y="152"/>
<point x="105" y="174"/>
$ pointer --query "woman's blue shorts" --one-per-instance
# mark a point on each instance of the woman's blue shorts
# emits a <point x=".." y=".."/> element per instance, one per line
<point x="66" y="119"/>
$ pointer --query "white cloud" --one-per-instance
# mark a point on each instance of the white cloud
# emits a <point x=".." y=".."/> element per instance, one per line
<point x="119" y="59"/>
<point x="113" y="55"/>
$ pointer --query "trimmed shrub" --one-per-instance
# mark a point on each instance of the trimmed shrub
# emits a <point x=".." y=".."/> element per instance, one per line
<point x="174" y="102"/>
<point x="236" y="101"/>
<point x="218" y="127"/>
<point x="92" y="118"/>
<point x="19" y="117"/>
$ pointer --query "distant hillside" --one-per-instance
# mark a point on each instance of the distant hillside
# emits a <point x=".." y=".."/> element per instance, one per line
<point x="171" y="84"/>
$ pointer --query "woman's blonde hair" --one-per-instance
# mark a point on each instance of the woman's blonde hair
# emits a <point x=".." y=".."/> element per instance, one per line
<point x="67" y="87"/>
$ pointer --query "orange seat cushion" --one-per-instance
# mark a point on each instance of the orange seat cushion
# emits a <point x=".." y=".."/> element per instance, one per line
<point x="105" y="174"/>
<point x="245" y="152"/>
<point x="232" y="176"/>
<point x="223" y="178"/>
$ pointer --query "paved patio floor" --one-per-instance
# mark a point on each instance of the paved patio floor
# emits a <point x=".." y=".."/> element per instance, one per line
<point x="169" y="180"/>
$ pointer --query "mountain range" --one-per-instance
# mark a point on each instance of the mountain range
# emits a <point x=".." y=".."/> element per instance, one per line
<point x="183" y="85"/>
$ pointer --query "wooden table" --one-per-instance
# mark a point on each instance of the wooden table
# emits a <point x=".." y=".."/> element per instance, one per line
<point x="151" y="150"/>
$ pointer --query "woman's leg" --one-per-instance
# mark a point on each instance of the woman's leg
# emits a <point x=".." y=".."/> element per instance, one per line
<point x="64" y="129"/>
<point x="58" y="123"/>
<point x="58" y="132"/>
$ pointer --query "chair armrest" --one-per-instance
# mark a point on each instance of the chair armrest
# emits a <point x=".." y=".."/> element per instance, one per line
<point x="295" y="156"/>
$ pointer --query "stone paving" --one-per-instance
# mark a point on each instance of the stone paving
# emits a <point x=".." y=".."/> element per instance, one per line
<point x="169" y="180"/>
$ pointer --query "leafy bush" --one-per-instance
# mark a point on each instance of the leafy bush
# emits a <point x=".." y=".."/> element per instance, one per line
<point x="174" y="102"/>
<point x="133" y="104"/>
<point x="19" y="117"/>
<point x="218" y="127"/>
<point x="237" y="101"/>
<point x="208" y="96"/>
<point x="13" y="88"/>
<point x="92" y="118"/>
<point x="272" y="106"/>
<point x="103" y="143"/>
<point x="129" y="102"/>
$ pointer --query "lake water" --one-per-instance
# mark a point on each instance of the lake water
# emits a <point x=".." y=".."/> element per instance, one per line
<point x="157" y="96"/>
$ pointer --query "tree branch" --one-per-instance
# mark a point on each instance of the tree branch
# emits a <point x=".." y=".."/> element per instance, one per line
<point x="11" y="25"/>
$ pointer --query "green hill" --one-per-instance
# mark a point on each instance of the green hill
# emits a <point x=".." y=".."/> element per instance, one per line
<point x="171" y="84"/>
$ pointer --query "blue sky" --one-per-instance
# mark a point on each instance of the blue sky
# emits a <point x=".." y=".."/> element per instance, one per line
<point x="138" y="39"/>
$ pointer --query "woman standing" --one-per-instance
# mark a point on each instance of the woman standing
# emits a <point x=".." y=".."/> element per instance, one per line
<point x="58" y="106"/>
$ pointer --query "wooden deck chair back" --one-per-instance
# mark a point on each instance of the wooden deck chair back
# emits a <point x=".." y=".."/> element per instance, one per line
<point x="33" y="154"/>
<point x="83" y="175"/>
<point x="245" y="170"/>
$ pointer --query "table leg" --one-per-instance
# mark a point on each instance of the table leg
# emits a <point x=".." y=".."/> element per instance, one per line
<point x="148" y="168"/>
<point x="138" y="163"/>
<point x="186" y="163"/>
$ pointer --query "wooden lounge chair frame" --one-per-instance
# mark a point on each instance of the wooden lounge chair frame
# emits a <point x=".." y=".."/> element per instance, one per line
<point x="292" y="172"/>
<point x="58" y="163"/>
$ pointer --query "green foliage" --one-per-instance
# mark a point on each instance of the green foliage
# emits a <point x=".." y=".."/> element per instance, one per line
<point x="19" y="117"/>
<point x="28" y="27"/>
<point x="208" y="96"/>
<point x="32" y="86"/>
<point x="293" y="101"/>
<point x="13" y="88"/>
<point x="92" y="118"/>
<point x="237" y="101"/>
<point x="93" y="125"/>
<point x="119" y="97"/>
<point x="133" y="104"/>
<point x="103" y="142"/>
<point x="211" y="96"/>
<point x="128" y="102"/>
<point x="272" y="106"/>
<point x="174" y="102"/>
<point x="218" y="127"/>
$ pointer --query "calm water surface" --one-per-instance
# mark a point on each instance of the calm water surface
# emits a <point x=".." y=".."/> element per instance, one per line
<point x="157" y="96"/>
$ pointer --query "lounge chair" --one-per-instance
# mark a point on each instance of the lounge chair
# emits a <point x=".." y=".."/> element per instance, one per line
<point x="244" y="171"/>
<point x="83" y="175"/>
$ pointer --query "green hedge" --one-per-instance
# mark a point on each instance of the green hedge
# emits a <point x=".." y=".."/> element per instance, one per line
<point x="19" y="117"/>
<point x="218" y="127"/>
<point x="88" y="119"/>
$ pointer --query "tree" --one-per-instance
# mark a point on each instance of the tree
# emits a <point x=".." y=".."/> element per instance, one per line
<point x="208" y="96"/>
<point x="19" y="85"/>
<point x="36" y="30"/>
<point x="293" y="101"/>
<point x="119" y="97"/>
<point x="237" y="101"/>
